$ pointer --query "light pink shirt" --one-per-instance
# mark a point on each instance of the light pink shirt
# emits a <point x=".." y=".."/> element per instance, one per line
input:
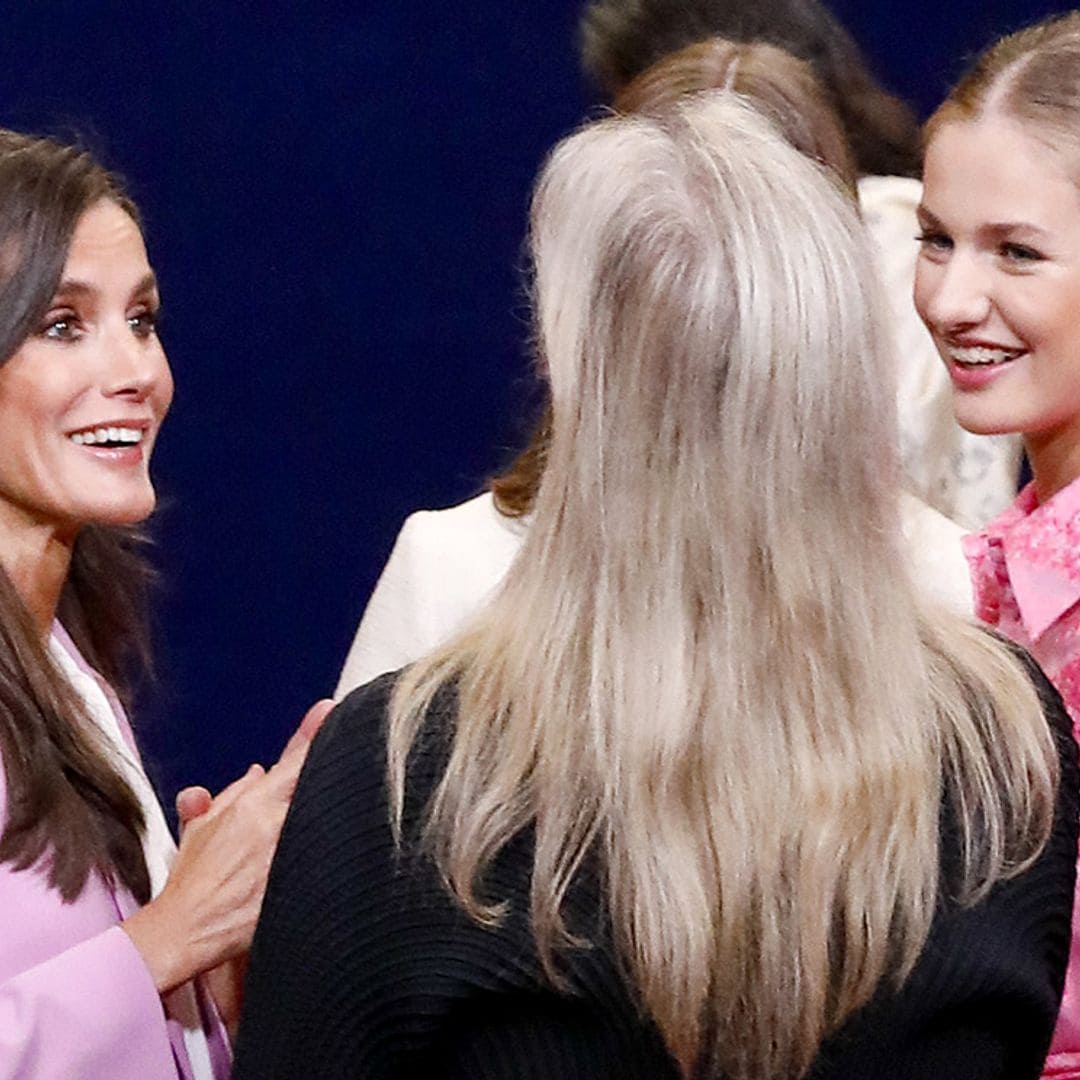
<point x="1025" y="570"/>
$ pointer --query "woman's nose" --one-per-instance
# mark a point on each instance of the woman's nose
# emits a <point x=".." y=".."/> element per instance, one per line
<point x="133" y="366"/>
<point x="956" y="294"/>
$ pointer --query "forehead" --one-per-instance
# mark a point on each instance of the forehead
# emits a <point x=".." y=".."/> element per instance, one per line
<point x="106" y="244"/>
<point x="990" y="169"/>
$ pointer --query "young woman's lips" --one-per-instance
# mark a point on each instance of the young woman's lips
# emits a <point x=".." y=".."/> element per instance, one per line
<point x="973" y="365"/>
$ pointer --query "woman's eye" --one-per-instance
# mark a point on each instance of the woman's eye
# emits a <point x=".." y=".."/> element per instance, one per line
<point x="934" y="241"/>
<point x="1018" y="253"/>
<point x="60" y="327"/>
<point x="144" y="323"/>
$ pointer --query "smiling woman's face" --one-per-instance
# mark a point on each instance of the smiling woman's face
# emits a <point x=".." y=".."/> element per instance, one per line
<point x="82" y="398"/>
<point x="998" y="278"/>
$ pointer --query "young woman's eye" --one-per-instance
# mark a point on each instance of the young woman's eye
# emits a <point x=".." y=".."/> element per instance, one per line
<point x="1020" y="254"/>
<point x="61" y="326"/>
<point x="934" y="242"/>
<point x="144" y="323"/>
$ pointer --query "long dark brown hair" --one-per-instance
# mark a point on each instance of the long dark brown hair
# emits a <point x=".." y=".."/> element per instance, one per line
<point x="68" y="810"/>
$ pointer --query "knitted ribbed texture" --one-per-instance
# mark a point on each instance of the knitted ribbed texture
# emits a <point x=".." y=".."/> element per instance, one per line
<point x="362" y="966"/>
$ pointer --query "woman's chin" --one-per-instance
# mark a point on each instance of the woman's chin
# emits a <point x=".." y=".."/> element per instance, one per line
<point x="119" y="514"/>
<point x="982" y="424"/>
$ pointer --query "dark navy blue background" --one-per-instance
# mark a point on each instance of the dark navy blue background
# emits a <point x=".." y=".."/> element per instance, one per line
<point x="335" y="197"/>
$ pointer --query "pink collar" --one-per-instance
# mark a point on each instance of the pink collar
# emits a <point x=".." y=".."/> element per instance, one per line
<point x="1038" y="549"/>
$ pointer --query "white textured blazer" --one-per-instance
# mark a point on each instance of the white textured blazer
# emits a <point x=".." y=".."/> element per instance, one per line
<point x="446" y="563"/>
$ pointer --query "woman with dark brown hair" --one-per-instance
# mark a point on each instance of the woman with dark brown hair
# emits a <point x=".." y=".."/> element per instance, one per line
<point x="621" y="39"/>
<point x="104" y="931"/>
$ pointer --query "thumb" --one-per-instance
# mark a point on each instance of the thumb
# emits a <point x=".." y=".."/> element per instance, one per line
<point x="192" y="802"/>
<point x="314" y="717"/>
<point x="308" y="729"/>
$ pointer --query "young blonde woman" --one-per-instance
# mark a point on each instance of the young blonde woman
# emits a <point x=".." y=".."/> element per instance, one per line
<point x="999" y="287"/>
<point x="703" y="791"/>
<point x="445" y="563"/>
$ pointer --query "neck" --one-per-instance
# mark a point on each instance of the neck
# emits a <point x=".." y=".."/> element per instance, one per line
<point x="1055" y="462"/>
<point x="37" y="562"/>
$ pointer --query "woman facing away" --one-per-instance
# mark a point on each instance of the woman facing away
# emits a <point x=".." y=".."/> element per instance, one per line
<point x="102" y="940"/>
<point x="704" y="790"/>
<point x="444" y="563"/>
<point x="999" y="287"/>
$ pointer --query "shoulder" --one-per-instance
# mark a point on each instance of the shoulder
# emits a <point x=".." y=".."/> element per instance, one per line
<point x="346" y="765"/>
<point x="337" y="831"/>
<point x="921" y="520"/>
<point x="982" y="999"/>
<point x="444" y="565"/>
<point x="351" y="735"/>
<point x="449" y="560"/>
<point x="471" y="530"/>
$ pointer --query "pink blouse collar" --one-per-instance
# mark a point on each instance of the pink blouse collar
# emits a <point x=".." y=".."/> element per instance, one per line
<point x="1034" y="549"/>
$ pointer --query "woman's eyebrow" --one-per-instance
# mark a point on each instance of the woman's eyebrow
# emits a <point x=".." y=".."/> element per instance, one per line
<point x="75" y="287"/>
<point x="926" y="216"/>
<point x="993" y="229"/>
<point x="1006" y="228"/>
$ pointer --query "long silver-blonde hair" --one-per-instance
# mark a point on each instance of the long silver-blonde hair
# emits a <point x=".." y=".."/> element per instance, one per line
<point x="708" y="669"/>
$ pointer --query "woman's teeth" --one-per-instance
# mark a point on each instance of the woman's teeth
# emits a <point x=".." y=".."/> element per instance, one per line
<point x="983" y="354"/>
<point x="103" y="435"/>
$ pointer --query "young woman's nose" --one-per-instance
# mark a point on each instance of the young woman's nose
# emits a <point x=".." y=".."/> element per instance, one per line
<point x="954" y="295"/>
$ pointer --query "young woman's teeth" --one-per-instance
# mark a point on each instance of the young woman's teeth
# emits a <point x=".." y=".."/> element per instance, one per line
<point x="107" y="435"/>
<point x="983" y="354"/>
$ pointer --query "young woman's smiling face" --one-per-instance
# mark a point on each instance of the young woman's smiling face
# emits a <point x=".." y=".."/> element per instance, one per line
<point x="998" y="279"/>
<point x="82" y="398"/>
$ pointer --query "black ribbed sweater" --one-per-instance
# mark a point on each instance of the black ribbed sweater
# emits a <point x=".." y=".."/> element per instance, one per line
<point x="362" y="966"/>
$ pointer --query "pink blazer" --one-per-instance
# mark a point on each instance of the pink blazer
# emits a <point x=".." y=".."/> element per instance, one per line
<point x="76" y="1000"/>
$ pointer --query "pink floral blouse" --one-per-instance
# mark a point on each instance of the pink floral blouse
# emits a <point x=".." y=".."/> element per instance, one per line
<point x="1025" y="571"/>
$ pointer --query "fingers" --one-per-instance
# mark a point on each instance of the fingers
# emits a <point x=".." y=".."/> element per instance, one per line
<point x="237" y="788"/>
<point x="227" y="796"/>
<point x="215" y="889"/>
<point x="315" y="716"/>
<point x="192" y="802"/>
<point x="286" y="771"/>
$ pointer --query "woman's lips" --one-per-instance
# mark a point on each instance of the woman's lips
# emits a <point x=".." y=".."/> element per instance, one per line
<point x="115" y="442"/>
<point x="973" y="365"/>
